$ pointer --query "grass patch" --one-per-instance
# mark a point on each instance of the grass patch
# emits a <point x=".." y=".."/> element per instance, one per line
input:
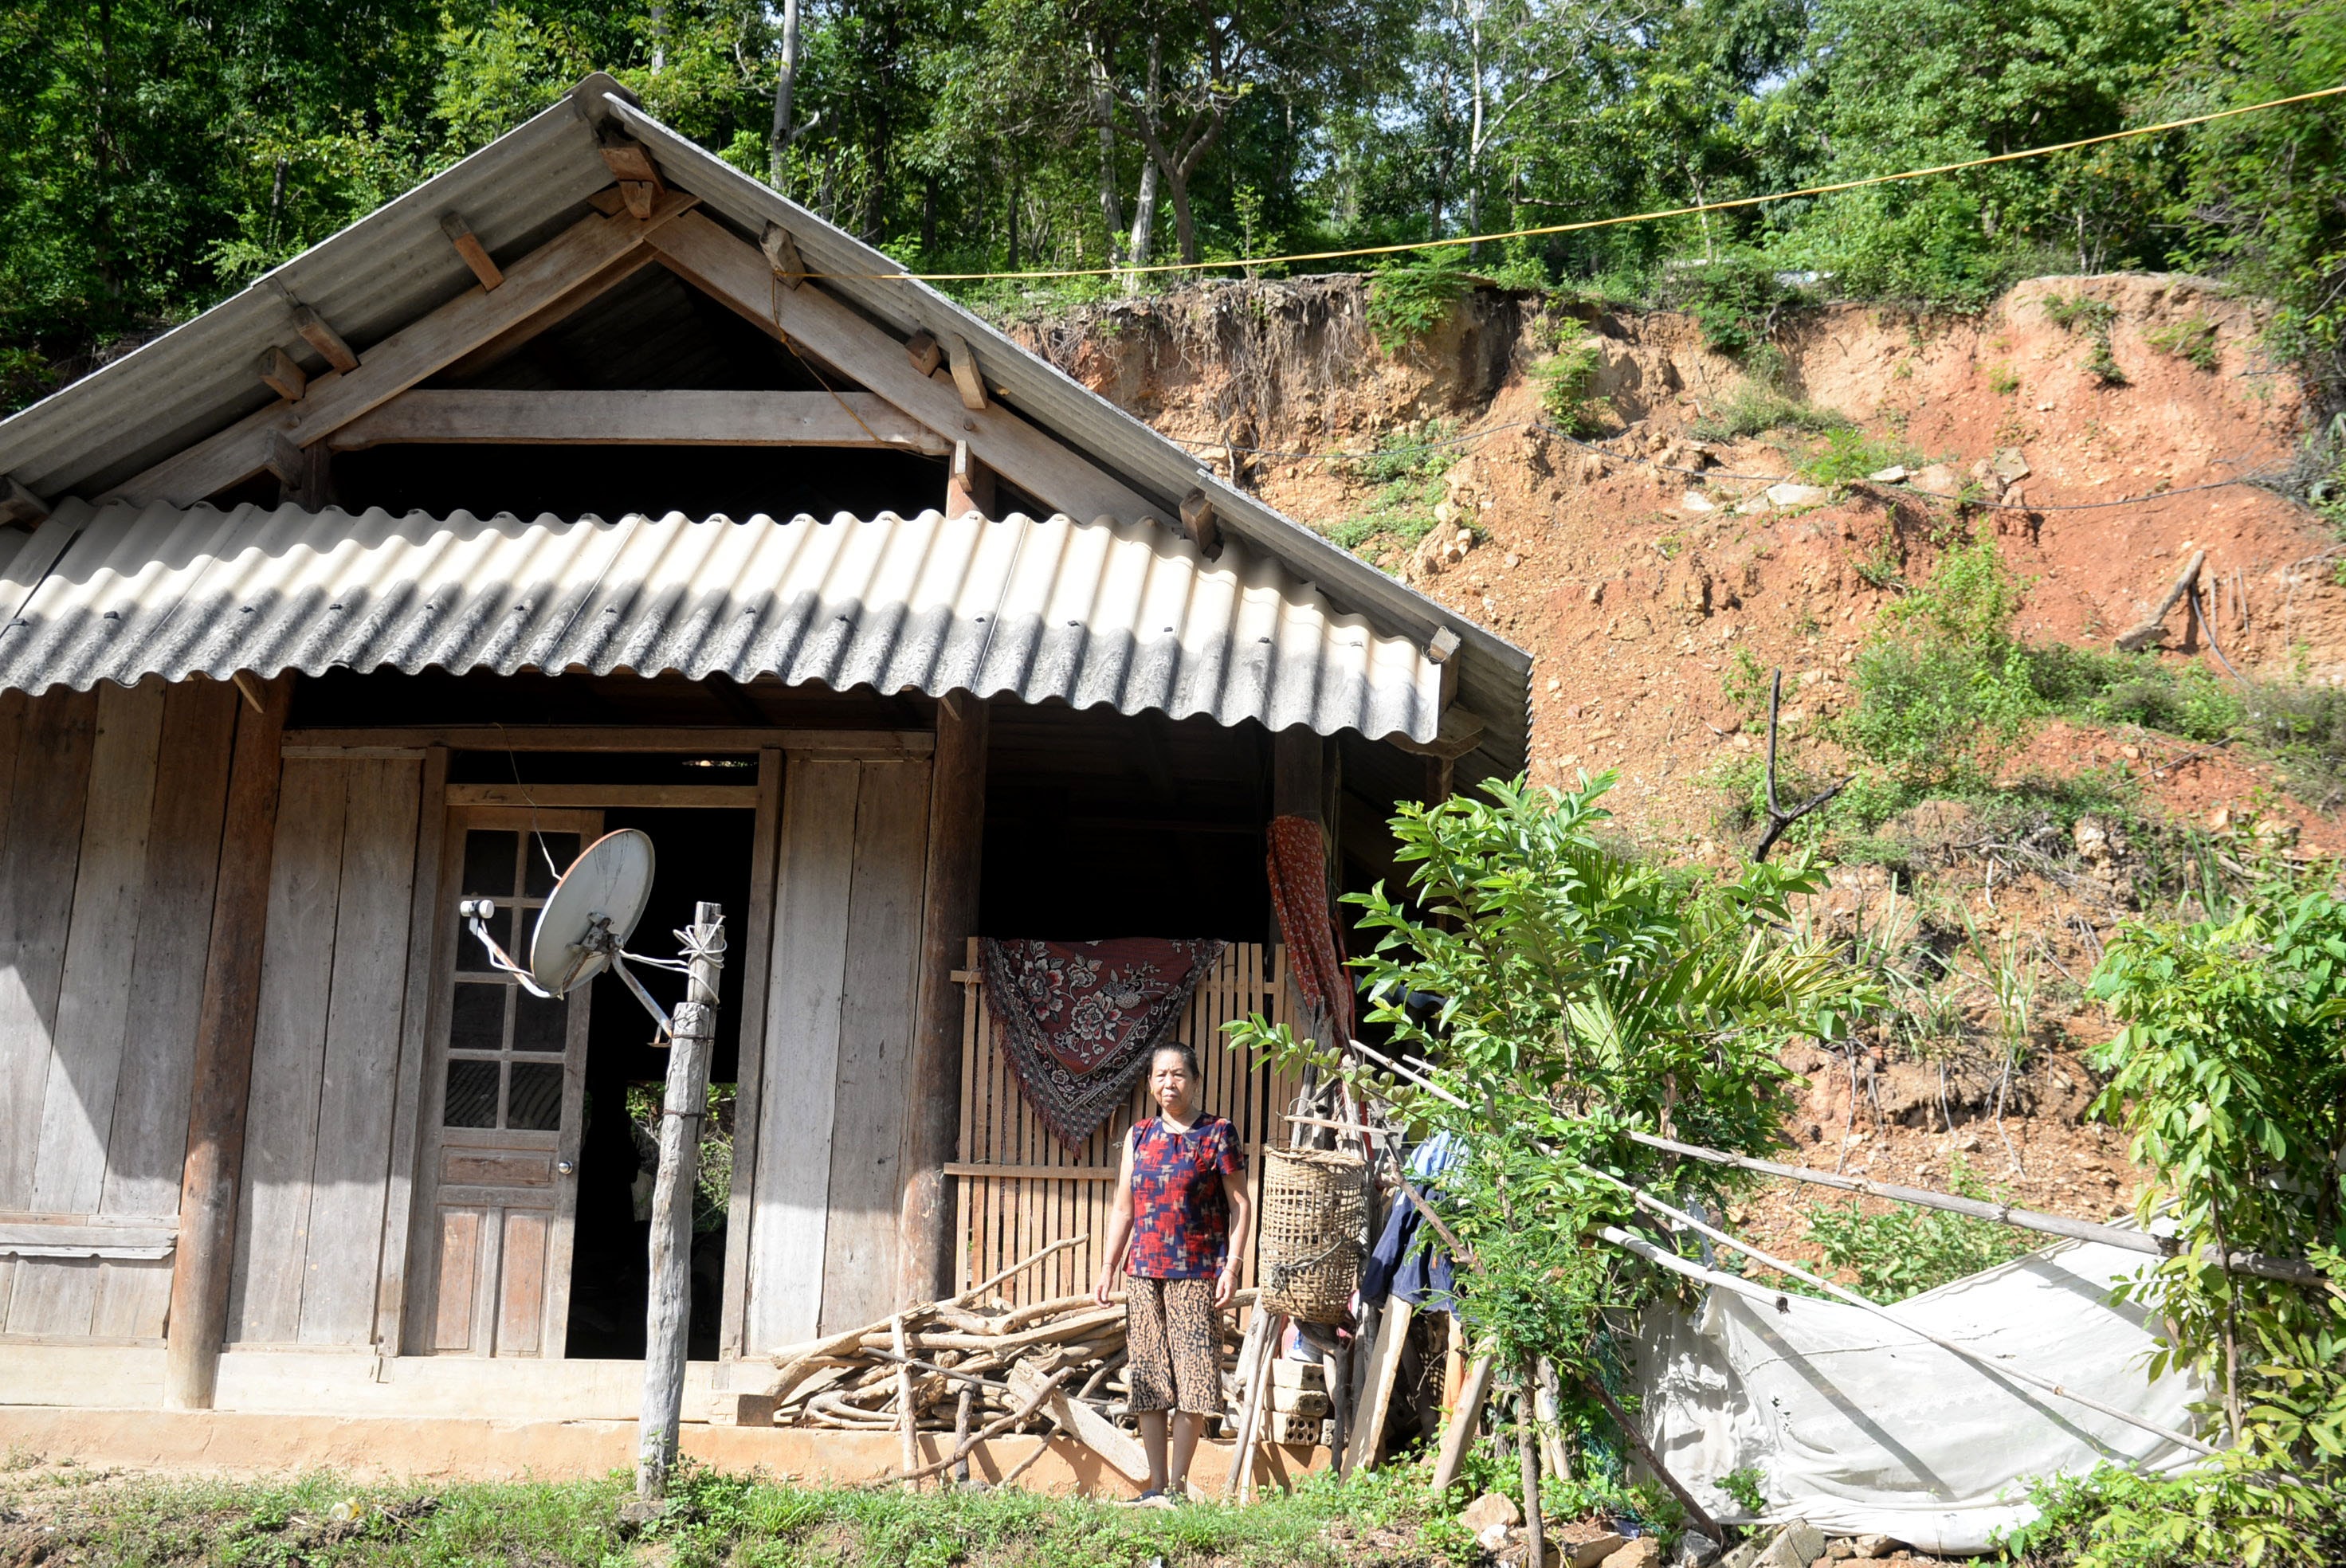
<point x="1752" y="408"/>
<point x="1409" y="475"/>
<point x="2092" y="319"/>
<point x="1907" y="1251"/>
<point x="1847" y="453"/>
<point x="2191" y="339"/>
<point x="743" y="1521"/>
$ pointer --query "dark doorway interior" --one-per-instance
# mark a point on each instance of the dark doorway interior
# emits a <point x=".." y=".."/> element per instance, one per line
<point x="702" y="855"/>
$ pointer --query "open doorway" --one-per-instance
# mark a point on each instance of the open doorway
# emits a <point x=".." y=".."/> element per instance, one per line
<point x="703" y="855"/>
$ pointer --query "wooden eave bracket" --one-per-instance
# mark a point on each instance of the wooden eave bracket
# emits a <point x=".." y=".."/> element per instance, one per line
<point x="19" y="507"/>
<point x="963" y="359"/>
<point x="1198" y="521"/>
<point x="630" y="163"/>
<point x="283" y="375"/>
<point x="924" y="352"/>
<point x="1460" y="731"/>
<point x="475" y="255"/>
<point x="782" y="255"/>
<point x="320" y="336"/>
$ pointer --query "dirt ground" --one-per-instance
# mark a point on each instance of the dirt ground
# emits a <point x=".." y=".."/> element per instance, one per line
<point x="1633" y="585"/>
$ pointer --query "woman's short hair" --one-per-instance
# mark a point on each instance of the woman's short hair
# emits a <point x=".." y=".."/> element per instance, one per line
<point x="1187" y="1054"/>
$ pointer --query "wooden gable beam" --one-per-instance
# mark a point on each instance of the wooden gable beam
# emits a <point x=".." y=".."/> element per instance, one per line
<point x="475" y="254"/>
<point x="681" y="417"/>
<point x="736" y="272"/>
<point x="282" y="375"/>
<point x="545" y="275"/>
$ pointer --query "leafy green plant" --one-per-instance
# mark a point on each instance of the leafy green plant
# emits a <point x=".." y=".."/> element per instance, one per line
<point x="1753" y="408"/>
<point x="1743" y="1483"/>
<point x="1409" y="301"/>
<point x="2002" y="381"/>
<point x="2191" y="339"/>
<point x="1906" y="1251"/>
<point x="1408" y="466"/>
<point x="1849" y="453"/>
<point x="2080" y="313"/>
<point x="1565" y="378"/>
<point x="1943" y="688"/>
<point x="1736" y="297"/>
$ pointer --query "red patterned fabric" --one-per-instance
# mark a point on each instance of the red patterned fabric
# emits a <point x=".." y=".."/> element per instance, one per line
<point x="1078" y="1019"/>
<point x="1299" y="892"/>
<point x="1180" y="1210"/>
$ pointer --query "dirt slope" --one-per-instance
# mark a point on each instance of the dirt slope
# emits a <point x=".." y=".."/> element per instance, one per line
<point x="1633" y="585"/>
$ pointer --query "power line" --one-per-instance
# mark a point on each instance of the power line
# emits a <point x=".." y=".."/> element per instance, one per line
<point x="1589" y="223"/>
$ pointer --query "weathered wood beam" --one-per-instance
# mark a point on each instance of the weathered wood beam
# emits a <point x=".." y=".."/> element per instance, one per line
<point x="782" y="255"/>
<point x="969" y="485"/>
<point x="1460" y="731"/>
<point x="475" y="254"/>
<point x="319" y="335"/>
<point x="19" y="507"/>
<point x="287" y="379"/>
<point x="735" y="273"/>
<point x="630" y="162"/>
<point x="399" y="361"/>
<point x="923" y="351"/>
<point x="1198" y="521"/>
<point x="555" y="311"/>
<point x="679" y="418"/>
<point x="210" y="1180"/>
<point x="966" y="378"/>
<point x="924" y="1244"/>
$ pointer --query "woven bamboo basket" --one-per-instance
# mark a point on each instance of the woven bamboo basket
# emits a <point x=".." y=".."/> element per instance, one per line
<point x="1314" y="1203"/>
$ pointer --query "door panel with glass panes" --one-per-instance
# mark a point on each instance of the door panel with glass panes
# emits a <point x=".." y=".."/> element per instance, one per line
<point x="503" y="1113"/>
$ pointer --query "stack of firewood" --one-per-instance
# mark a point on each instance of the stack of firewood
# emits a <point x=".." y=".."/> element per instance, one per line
<point x="977" y="1366"/>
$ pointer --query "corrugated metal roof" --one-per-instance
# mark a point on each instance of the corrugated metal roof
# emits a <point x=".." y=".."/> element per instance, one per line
<point x="1124" y="614"/>
<point x="395" y="265"/>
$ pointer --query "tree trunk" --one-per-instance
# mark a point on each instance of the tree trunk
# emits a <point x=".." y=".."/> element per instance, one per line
<point x="1103" y="115"/>
<point x="777" y="140"/>
<point x="1144" y="205"/>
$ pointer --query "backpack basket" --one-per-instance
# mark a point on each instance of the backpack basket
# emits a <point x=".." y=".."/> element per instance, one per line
<point x="1314" y="1203"/>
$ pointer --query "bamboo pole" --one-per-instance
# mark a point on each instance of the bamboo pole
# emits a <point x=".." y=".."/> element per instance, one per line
<point x="668" y="1315"/>
<point x="906" y="1439"/>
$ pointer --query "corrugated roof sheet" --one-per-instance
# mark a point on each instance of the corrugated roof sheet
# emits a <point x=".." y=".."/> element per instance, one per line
<point x="1124" y="614"/>
<point x="395" y="265"/>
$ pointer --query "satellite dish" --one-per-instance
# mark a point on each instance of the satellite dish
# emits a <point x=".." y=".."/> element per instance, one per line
<point x="591" y="911"/>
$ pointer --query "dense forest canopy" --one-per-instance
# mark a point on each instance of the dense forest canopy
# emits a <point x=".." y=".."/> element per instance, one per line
<point x="161" y="153"/>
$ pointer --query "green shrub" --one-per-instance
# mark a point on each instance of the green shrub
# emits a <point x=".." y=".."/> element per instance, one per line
<point x="1849" y="453"/>
<point x="1408" y="473"/>
<point x="1910" y="1250"/>
<point x="1409" y="301"/>
<point x="2092" y="319"/>
<point x="1735" y="298"/>
<point x="1944" y="688"/>
<point x="1565" y="378"/>
<point x="2232" y="1512"/>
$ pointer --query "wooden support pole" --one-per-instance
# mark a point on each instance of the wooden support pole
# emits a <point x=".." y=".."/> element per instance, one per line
<point x="223" y="1059"/>
<point x="2152" y="628"/>
<point x="668" y="1313"/>
<point x="468" y="246"/>
<point x="1464" y="1419"/>
<point x="1369" y="1430"/>
<point x="924" y="1241"/>
<point x="905" y="1415"/>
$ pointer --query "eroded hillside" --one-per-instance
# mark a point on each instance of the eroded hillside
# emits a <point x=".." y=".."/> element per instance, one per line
<point x="1712" y="517"/>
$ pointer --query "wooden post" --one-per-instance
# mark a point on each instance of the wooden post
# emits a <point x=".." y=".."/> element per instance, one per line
<point x="223" y="1053"/>
<point x="667" y="1314"/>
<point x="969" y="485"/>
<point x="1463" y="1422"/>
<point x="924" y="1242"/>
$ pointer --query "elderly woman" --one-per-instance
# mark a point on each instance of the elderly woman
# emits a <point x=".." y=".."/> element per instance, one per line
<point x="1183" y="1220"/>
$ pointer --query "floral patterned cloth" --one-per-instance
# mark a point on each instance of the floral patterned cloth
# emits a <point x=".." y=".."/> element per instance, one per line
<point x="1078" y="1019"/>
<point x="1180" y="1210"/>
<point x="1299" y="894"/>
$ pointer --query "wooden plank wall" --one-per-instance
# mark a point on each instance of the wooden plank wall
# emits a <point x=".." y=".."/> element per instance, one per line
<point x="333" y="991"/>
<point x="109" y="842"/>
<point x="839" y="1024"/>
<point x="1020" y="1188"/>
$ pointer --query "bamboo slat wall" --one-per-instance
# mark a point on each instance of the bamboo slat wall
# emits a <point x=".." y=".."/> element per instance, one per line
<point x="1018" y="1188"/>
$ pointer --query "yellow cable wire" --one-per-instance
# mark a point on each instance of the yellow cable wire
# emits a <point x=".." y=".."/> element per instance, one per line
<point x="1595" y="223"/>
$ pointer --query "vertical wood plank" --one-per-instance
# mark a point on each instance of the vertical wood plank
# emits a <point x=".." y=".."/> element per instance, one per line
<point x="521" y="1295"/>
<point x="750" y="1075"/>
<point x="792" y="1187"/>
<point x="133" y="1294"/>
<point x="289" y="1055"/>
<point x="54" y="1296"/>
<point x="101" y="940"/>
<point x="50" y="784"/>
<point x="459" y="1251"/>
<point x="875" y="1044"/>
<point x="166" y="982"/>
<point x="405" y="1244"/>
<point x="366" y="1000"/>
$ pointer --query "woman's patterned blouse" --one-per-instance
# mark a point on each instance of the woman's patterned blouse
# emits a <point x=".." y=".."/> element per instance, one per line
<point x="1181" y="1214"/>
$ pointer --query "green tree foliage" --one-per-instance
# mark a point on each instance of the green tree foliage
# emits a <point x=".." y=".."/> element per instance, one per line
<point x="1904" y="1251"/>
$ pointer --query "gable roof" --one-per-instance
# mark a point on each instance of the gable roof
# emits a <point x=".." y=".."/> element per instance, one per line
<point x="396" y="265"/>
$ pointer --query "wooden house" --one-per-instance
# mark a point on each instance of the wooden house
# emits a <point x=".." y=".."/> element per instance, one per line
<point x="593" y="484"/>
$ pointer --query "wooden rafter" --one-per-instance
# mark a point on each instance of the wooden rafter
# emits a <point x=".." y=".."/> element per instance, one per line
<point x="813" y="321"/>
<point x="639" y="419"/>
<point x="546" y="275"/>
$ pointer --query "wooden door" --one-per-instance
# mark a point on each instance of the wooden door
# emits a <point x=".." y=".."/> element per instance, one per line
<point x="504" y="1105"/>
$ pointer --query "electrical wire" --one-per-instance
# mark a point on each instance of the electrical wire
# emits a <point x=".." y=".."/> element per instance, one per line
<point x="1589" y="223"/>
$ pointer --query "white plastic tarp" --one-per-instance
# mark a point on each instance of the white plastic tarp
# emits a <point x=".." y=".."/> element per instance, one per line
<point x="1859" y="1428"/>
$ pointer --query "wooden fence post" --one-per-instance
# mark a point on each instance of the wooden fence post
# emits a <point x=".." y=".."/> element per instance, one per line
<point x="667" y="1314"/>
<point x="208" y="1181"/>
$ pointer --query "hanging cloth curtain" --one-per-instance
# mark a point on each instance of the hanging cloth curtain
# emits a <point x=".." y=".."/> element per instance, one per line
<point x="1298" y="893"/>
<point x="1078" y="1019"/>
